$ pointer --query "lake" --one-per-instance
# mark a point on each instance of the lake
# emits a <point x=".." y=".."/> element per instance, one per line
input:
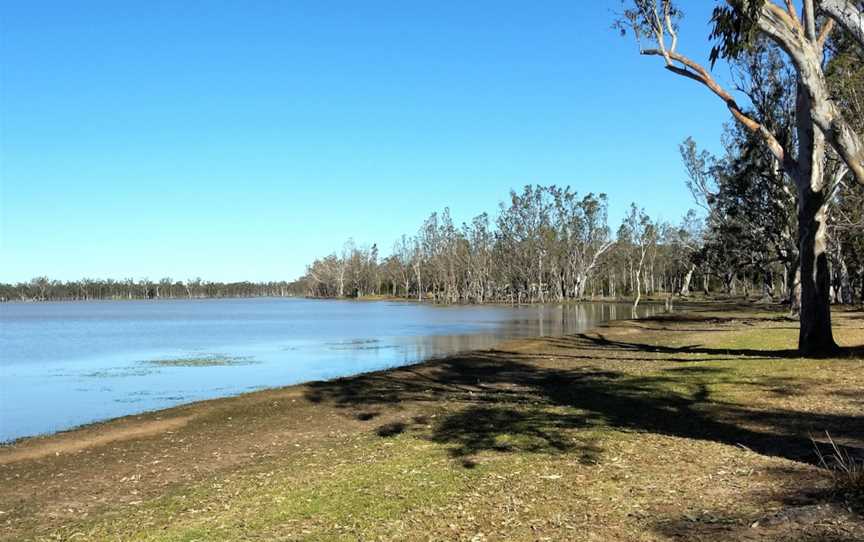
<point x="67" y="364"/>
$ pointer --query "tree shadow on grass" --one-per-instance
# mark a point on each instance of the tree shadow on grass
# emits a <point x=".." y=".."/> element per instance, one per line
<point x="500" y="401"/>
<point x="822" y="522"/>
<point x="803" y="507"/>
<point x="501" y="429"/>
<point x="598" y="341"/>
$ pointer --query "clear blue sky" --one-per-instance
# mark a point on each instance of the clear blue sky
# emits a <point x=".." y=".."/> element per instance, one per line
<point x="239" y="140"/>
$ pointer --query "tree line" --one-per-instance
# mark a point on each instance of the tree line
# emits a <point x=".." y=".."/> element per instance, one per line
<point x="46" y="289"/>
<point x="548" y="244"/>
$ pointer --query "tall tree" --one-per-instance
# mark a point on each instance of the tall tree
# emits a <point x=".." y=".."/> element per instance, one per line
<point x="818" y="119"/>
<point x="639" y="233"/>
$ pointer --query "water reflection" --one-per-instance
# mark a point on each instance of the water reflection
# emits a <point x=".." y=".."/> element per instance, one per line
<point x="65" y="364"/>
<point x="532" y="321"/>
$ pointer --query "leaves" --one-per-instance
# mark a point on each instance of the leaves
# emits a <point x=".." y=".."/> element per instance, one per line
<point x="735" y="28"/>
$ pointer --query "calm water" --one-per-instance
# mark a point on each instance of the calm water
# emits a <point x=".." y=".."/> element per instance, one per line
<point x="65" y="364"/>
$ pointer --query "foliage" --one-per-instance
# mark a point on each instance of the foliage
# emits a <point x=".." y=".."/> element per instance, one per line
<point x="546" y="243"/>
<point x="734" y="28"/>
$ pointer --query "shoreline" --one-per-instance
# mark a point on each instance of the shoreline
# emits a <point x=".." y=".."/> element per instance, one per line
<point x="686" y="307"/>
<point x="86" y="424"/>
<point x="579" y="423"/>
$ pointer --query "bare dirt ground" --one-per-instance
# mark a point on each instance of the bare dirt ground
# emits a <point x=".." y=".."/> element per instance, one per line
<point x="695" y="426"/>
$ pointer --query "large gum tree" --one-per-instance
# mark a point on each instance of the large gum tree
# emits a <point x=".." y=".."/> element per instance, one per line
<point x="801" y="35"/>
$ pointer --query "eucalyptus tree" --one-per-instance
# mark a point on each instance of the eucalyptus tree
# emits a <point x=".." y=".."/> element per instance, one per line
<point x="845" y="74"/>
<point x="753" y="207"/>
<point x="689" y="240"/>
<point x="522" y="226"/>
<point x="480" y="240"/>
<point x="325" y="277"/>
<point x="819" y="119"/>
<point x="400" y="263"/>
<point x="637" y="235"/>
<point x="417" y="266"/>
<point x="41" y="287"/>
<point x="583" y="231"/>
<point x="849" y="14"/>
<point x="448" y="254"/>
<point x="848" y="246"/>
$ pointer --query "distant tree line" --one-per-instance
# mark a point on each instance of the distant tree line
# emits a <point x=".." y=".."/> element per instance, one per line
<point x="549" y="244"/>
<point x="46" y="289"/>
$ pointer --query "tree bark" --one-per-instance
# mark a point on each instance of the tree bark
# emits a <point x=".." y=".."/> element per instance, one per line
<point x="815" y="337"/>
<point x="847" y="15"/>
<point x="845" y="296"/>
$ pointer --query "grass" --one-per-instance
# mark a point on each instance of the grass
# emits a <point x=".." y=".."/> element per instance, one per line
<point x="845" y="471"/>
<point x="365" y="484"/>
<point x="694" y="426"/>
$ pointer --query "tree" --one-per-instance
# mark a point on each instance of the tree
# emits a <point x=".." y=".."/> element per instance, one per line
<point x="818" y="119"/>
<point x="639" y="234"/>
<point x="688" y="240"/>
<point x="849" y="14"/>
<point x="583" y="232"/>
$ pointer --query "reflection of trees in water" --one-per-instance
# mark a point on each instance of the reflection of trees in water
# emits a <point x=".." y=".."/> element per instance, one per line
<point x="532" y="321"/>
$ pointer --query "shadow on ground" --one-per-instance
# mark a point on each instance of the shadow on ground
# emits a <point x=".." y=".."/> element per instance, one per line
<point x="584" y="341"/>
<point x="502" y="401"/>
<point x="505" y="401"/>
<point x="813" y="513"/>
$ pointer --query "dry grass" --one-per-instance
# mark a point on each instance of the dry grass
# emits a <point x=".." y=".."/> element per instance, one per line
<point x="845" y="471"/>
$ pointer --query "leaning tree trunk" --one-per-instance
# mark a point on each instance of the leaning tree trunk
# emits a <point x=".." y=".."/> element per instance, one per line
<point x="685" y="286"/>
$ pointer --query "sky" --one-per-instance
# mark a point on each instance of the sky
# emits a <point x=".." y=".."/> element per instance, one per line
<point x="241" y="140"/>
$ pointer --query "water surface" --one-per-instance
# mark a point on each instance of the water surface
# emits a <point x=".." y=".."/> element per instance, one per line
<point x="66" y="364"/>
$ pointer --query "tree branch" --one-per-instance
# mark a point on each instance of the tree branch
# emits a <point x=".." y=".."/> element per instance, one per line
<point x="777" y="25"/>
<point x="697" y="73"/>
<point x="790" y="8"/>
<point x="847" y="15"/>
<point x="827" y="28"/>
<point x="809" y="22"/>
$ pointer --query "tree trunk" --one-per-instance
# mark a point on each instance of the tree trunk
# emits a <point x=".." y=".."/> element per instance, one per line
<point x="728" y="283"/>
<point x="768" y="285"/>
<point x="845" y="284"/>
<point x="815" y="337"/>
